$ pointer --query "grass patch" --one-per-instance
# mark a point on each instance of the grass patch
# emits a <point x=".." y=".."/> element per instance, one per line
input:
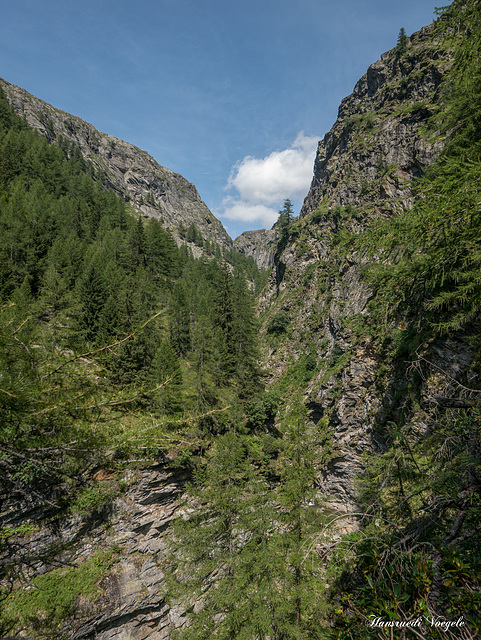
<point x="43" y="605"/>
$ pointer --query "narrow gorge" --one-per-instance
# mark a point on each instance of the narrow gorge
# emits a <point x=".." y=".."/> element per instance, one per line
<point x="274" y="437"/>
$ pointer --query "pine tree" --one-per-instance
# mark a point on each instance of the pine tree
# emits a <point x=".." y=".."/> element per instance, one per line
<point x="402" y="42"/>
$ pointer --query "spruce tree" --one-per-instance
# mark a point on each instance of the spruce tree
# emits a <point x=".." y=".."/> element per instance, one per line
<point x="402" y="42"/>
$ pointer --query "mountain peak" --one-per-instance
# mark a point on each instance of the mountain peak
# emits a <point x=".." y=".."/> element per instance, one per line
<point x="151" y="189"/>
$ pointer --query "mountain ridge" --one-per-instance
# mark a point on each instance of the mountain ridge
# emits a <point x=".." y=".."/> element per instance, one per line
<point x="152" y="190"/>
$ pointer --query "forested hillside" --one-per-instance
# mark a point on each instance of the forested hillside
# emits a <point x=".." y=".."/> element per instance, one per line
<point x="188" y="451"/>
<point x="116" y="344"/>
<point x="152" y="190"/>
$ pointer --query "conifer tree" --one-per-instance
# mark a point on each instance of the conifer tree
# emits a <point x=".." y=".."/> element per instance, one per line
<point x="402" y="42"/>
<point x="300" y="582"/>
<point x="245" y="337"/>
<point x="137" y="244"/>
<point x="161" y="250"/>
<point x="284" y="223"/>
<point x="245" y="552"/>
<point x="223" y="319"/>
<point x="54" y="292"/>
<point x="165" y="373"/>
<point x="215" y="556"/>
<point x="180" y="320"/>
<point x="92" y="293"/>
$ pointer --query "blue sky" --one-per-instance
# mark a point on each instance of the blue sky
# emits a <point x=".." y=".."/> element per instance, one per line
<point x="232" y="95"/>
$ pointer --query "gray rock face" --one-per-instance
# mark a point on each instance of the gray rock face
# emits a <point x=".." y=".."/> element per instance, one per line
<point x="369" y="160"/>
<point x="260" y="244"/>
<point x="152" y="190"/>
<point x="376" y="148"/>
<point x="132" y="604"/>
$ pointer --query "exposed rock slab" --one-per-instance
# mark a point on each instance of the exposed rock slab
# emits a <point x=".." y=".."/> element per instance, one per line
<point x="260" y="244"/>
<point x="132" y="605"/>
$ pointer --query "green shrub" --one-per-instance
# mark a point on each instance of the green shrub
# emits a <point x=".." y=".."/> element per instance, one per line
<point x="279" y="323"/>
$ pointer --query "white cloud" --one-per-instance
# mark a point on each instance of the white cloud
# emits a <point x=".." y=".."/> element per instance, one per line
<point x="249" y="212"/>
<point x="280" y="175"/>
<point x="261" y="182"/>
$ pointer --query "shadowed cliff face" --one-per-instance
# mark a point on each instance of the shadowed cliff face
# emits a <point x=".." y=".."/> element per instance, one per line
<point x="366" y="167"/>
<point x="152" y="190"/>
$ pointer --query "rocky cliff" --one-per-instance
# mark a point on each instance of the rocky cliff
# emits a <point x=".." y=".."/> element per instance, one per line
<point x="122" y="545"/>
<point x="376" y="149"/>
<point x="152" y="190"/>
<point x="366" y="167"/>
<point x="260" y="244"/>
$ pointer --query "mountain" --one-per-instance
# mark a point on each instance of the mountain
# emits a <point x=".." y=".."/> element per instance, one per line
<point x="366" y="168"/>
<point x="120" y="354"/>
<point x="152" y="190"/>
<point x="344" y="495"/>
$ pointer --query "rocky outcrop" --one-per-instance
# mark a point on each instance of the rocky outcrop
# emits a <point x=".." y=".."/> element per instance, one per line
<point x="129" y="536"/>
<point x="376" y="148"/>
<point x="365" y="167"/>
<point x="152" y="190"/>
<point x="260" y="244"/>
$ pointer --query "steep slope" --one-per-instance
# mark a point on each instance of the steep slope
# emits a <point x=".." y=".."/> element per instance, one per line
<point x="366" y="168"/>
<point x="153" y="190"/>
<point x="123" y="544"/>
<point x="376" y="148"/>
<point x="260" y="244"/>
